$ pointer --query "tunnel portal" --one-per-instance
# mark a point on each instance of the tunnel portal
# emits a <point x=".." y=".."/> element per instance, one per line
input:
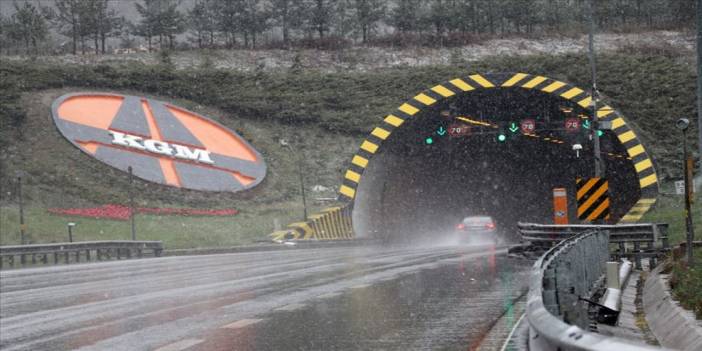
<point x="492" y="145"/>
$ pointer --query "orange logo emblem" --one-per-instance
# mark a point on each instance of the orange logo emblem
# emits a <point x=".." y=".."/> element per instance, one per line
<point x="161" y="142"/>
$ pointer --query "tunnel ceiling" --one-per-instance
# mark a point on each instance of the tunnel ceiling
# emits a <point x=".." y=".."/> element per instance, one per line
<point x="440" y="156"/>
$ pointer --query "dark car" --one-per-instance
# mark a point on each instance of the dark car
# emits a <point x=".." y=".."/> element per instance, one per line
<point x="477" y="230"/>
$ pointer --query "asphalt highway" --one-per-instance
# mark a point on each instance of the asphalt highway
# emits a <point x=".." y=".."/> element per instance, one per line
<point x="345" y="298"/>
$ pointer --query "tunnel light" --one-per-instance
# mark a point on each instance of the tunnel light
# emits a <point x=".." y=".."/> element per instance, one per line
<point x="513" y="127"/>
<point x="472" y="121"/>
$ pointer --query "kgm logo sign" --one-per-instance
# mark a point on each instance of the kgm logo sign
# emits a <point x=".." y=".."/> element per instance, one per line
<point x="161" y="142"/>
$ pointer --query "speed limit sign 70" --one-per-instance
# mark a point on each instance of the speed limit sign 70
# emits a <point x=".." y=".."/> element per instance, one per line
<point x="458" y="130"/>
<point x="527" y="126"/>
<point x="572" y="125"/>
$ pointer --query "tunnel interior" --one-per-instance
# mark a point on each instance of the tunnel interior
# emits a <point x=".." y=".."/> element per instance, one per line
<point x="448" y="162"/>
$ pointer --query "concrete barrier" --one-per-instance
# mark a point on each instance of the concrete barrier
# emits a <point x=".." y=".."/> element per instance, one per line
<point x="672" y="325"/>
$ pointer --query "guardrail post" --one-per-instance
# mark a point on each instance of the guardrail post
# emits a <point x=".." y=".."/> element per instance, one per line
<point x="582" y="286"/>
<point x="637" y="258"/>
<point x="550" y="295"/>
<point x="71" y="252"/>
<point x="622" y="249"/>
<point x="565" y="289"/>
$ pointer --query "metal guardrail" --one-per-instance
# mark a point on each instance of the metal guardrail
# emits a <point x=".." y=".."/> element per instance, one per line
<point x="30" y="255"/>
<point x="634" y="241"/>
<point x="555" y="315"/>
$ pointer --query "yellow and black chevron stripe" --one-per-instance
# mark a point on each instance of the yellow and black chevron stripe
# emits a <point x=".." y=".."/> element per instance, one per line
<point x="639" y="209"/>
<point x="592" y="195"/>
<point x="648" y="182"/>
<point x="295" y="231"/>
<point x="379" y="134"/>
<point x="333" y="223"/>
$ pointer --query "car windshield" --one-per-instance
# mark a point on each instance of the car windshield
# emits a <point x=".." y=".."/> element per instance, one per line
<point x="348" y="174"/>
<point x="477" y="221"/>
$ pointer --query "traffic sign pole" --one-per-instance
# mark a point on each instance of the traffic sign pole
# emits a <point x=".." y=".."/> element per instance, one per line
<point x="688" y="211"/>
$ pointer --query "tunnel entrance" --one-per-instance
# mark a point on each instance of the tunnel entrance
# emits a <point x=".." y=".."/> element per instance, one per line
<point x="448" y="154"/>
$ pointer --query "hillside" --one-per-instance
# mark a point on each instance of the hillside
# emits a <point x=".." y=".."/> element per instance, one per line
<point x="325" y="114"/>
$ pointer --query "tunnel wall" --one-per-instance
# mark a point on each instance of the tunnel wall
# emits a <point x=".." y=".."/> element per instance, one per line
<point x="362" y="194"/>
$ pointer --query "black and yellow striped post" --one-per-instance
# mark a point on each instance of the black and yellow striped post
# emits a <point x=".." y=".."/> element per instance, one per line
<point x="592" y="195"/>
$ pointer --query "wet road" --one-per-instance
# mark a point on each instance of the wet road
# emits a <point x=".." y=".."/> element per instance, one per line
<point x="301" y="299"/>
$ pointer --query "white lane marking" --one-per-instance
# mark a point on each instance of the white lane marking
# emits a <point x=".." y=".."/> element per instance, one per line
<point x="291" y="307"/>
<point x="329" y="295"/>
<point x="509" y="337"/>
<point x="360" y="286"/>
<point x="179" y="345"/>
<point x="242" y="323"/>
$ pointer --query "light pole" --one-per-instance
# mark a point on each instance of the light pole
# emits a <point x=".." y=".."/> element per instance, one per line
<point x="699" y="78"/>
<point x="70" y="231"/>
<point x="298" y="160"/>
<point x="683" y="124"/>
<point x="599" y="171"/>
<point x="23" y="227"/>
<point x="132" y="210"/>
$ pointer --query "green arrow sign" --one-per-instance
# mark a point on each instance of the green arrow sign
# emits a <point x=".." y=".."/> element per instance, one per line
<point x="513" y="127"/>
<point x="441" y="131"/>
<point x="586" y="124"/>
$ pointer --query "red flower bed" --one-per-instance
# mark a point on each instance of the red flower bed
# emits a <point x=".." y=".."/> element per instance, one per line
<point x="119" y="212"/>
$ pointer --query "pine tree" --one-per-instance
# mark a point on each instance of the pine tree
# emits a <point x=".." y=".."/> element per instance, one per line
<point x="288" y="15"/>
<point x="201" y="20"/>
<point x="29" y="25"/>
<point x="368" y="14"/>
<point x="405" y="16"/>
<point x="68" y="19"/>
<point x="320" y="16"/>
<point x="161" y="19"/>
